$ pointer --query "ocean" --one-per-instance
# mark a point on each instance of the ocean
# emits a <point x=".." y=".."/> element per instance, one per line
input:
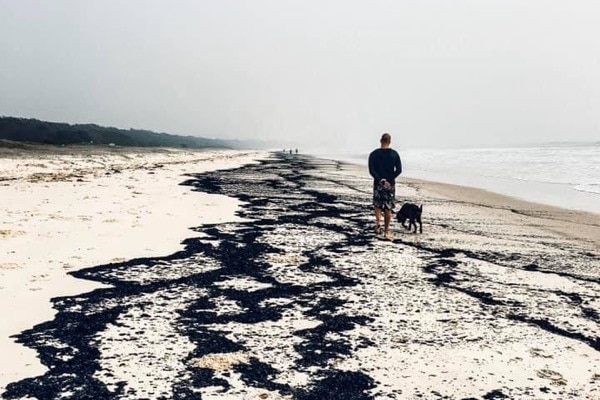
<point x="567" y="176"/>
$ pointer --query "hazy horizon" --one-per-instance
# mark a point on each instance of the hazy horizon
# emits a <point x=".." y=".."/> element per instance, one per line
<point x="330" y="74"/>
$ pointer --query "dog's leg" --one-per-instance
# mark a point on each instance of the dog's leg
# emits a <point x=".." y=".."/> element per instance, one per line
<point x="420" y="224"/>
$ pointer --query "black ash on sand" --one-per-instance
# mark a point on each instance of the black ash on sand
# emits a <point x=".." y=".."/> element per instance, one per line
<point x="301" y="301"/>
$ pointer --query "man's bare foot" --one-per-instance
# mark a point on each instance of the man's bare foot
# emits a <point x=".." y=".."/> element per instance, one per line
<point x="377" y="229"/>
<point x="388" y="235"/>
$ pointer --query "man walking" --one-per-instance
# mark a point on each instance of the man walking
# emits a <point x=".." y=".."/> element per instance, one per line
<point x="384" y="167"/>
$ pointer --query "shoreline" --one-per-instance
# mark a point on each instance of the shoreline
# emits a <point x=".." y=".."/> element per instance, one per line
<point x="570" y="223"/>
<point x="575" y="224"/>
<point x="558" y="195"/>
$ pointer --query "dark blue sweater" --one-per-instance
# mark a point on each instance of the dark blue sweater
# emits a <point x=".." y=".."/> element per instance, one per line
<point x="384" y="164"/>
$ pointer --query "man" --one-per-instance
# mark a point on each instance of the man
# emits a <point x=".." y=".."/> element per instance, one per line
<point x="384" y="167"/>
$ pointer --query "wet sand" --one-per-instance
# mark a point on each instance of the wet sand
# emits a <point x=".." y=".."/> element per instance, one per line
<point x="298" y="299"/>
<point x="574" y="224"/>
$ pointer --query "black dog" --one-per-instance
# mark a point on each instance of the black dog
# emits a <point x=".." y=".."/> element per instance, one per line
<point x="412" y="213"/>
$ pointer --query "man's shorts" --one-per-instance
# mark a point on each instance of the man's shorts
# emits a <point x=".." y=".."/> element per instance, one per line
<point x="383" y="198"/>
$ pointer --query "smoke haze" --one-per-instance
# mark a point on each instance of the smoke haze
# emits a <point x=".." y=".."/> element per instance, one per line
<point x="317" y="74"/>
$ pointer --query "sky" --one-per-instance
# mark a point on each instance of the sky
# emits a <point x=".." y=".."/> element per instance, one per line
<point x="327" y="74"/>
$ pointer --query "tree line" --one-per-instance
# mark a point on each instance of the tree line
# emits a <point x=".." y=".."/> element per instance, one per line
<point x="56" y="133"/>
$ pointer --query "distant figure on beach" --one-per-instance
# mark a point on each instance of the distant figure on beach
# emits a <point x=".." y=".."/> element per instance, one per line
<point x="290" y="151"/>
<point x="296" y="151"/>
<point x="384" y="167"/>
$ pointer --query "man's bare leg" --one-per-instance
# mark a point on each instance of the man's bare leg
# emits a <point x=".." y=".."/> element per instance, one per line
<point x="377" y="220"/>
<point x="387" y="217"/>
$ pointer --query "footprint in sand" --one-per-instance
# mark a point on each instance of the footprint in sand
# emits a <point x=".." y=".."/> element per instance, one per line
<point x="9" y="266"/>
<point x="220" y="361"/>
<point x="6" y="233"/>
<point x="539" y="353"/>
<point x="555" y="378"/>
<point x="266" y="395"/>
<point x="40" y="278"/>
<point x="286" y="258"/>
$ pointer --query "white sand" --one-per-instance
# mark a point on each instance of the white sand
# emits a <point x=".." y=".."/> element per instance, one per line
<point x="65" y="212"/>
<point x="424" y="334"/>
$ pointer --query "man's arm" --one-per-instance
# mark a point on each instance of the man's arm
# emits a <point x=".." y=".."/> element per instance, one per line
<point x="372" y="170"/>
<point x="398" y="166"/>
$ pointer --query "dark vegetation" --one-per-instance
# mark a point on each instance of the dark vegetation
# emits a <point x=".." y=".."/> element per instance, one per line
<point x="54" y="133"/>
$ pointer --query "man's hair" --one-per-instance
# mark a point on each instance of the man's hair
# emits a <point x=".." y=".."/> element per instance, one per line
<point x="386" y="138"/>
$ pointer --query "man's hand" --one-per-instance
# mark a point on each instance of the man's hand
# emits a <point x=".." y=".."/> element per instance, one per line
<point x="384" y="183"/>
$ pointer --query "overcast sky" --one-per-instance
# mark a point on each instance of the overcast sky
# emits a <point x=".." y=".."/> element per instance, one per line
<point x="332" y="73"/>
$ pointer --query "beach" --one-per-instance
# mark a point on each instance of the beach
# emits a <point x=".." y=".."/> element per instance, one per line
<point x="561" y="175"/>
<point x="65" y="208"/>
<point x="246" y="275"/>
